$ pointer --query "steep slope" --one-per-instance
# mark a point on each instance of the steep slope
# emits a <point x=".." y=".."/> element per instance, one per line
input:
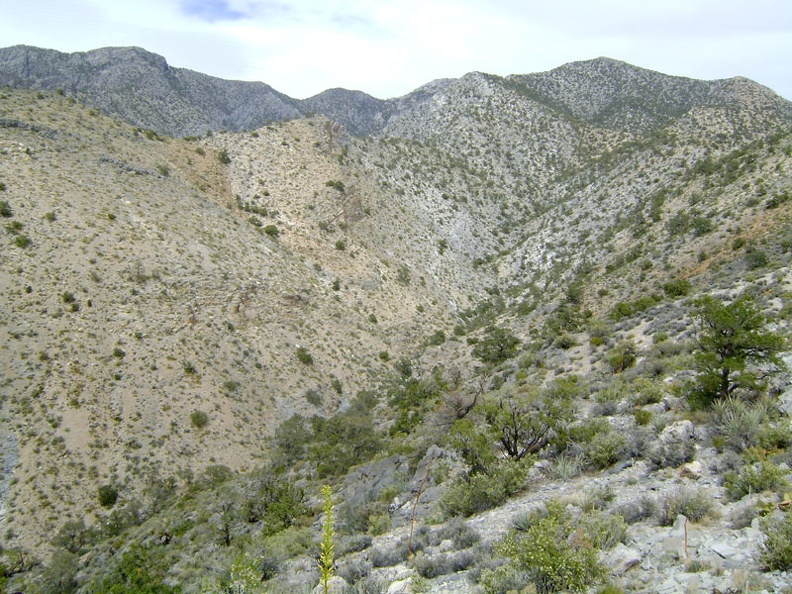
<point x="136" y="292"/>
<point x="167" y="303"/>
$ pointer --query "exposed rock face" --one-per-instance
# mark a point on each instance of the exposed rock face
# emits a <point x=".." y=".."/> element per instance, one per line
<point x="142" y="88"/>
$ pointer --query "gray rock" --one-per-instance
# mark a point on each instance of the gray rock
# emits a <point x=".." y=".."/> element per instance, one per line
<point x="621" y="559"/>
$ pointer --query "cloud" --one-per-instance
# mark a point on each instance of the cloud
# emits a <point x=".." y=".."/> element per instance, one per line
<point x="213" y="11"/>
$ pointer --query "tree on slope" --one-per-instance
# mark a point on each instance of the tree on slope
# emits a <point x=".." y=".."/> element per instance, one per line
<point x="736" y="351"/>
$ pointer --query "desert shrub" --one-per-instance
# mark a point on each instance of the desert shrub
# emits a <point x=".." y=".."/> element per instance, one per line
<point x="353" y="543"/>
<point x="496" y="346"/>
<point x="303" y="356"/>
<point x="622" y="356"/>
<point x="693" y="504"/>
<point x="565" y="467"/>
<point x="271" y="230"/>
<point x="214" y="475"/>
<point x="139" y="570"/>
<point x="553" y="560"/>
<point x="564" y="341"/>
<point x="432" y="566"/>
<point x="475" y="493"/>
<point x="14" y="228"/>
<point x="739" y="423"/>
<point x="224" y="157"/>
<point x="276" y="503"/>
<point x="776" y="551"/>
<point x="608" y="401"/>
<point x="604" y="530"/>
<point x="107" y="495"/>
<point x="388" y="556"/>
<point x="346" y="439"/>
<point x="372" y="585"/>
<point x="775" y="436"/>
<point x="597" y="497"/>
<point x="412" y="400"/>
<point x="337" y="184"/>
<point x="459" y="532"/>
<point x="755" y="258"/>
<point x="604" y="449"/>
<point x="677" y="288"/>
<point x="199" y="419"/>
<point x="5" y="210"/>
<point x="671" y="454"/>
<point x="353" y="570"/>
<point x="754" y="478"/>
<point x="292" y="542"/>
<point x="313" y="397"/>
<point x="636" y="511"/>
<point x="504" y="578"/>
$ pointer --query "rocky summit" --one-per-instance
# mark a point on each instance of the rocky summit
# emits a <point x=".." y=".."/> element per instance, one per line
<point x="533" y="331"/>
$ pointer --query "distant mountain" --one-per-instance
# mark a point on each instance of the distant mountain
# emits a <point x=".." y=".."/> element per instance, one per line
<point x="141" y="88"/>
<point x="615" y="94"/>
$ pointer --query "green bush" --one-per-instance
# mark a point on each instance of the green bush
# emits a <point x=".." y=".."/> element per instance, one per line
<point x="5" y="210"/>
<point x="303" y="356"/>
<point x="677" y="288"/>
<point x="564" y="341"/>
<point x="622" y="356"/>
<point x="497" y="346"/>
<point x="638" y="510"/>
<point x="271" y="230"/>
<point x="468" y="495"/>
<point x="348" y="438"/>
<point x="754" y="478"/>
<point x="776" y="552"/>
<point x="224" y="157"/>
<point x="604" y="448"/>
<point x="199" y="419"/>
<point x="107" y="496"/>
<point x="552" y="559"/>
<point x="755" y="258"/>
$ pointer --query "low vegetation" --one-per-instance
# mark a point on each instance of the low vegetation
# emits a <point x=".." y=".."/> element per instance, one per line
<point x="489" y="354"/>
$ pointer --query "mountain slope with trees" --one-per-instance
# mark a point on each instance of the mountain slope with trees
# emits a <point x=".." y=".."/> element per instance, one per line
<point x="460" y="308"/>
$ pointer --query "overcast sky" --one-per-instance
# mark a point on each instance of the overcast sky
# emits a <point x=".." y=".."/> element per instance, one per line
<point x="388" y="48"/>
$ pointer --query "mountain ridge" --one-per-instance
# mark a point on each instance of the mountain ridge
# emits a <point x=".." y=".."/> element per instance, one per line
<point x="183" y="102"/>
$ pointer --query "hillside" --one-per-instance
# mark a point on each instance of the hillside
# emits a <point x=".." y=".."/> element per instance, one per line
<point x="169" y="305"/>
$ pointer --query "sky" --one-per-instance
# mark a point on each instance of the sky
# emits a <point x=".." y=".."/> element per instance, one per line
<point x="388" y="48"/>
